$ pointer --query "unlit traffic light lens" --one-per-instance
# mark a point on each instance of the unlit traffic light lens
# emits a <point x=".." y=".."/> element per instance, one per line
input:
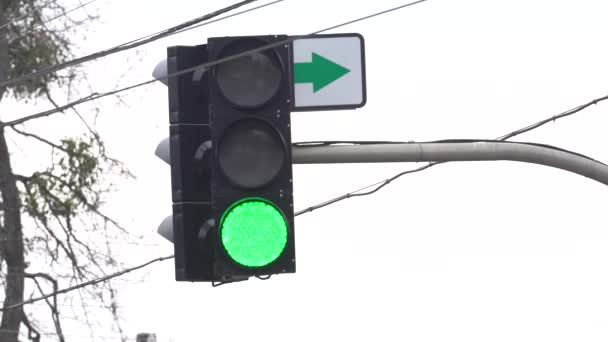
<point x="252" y="80"/>
<point x="251" y="153"/>
<point x="253" y="232"/>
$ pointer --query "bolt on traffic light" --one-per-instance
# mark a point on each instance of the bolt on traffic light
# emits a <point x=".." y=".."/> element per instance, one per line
<point x="230" y="156"/>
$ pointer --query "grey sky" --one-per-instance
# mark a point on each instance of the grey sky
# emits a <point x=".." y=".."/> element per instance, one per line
<point x="493" y="251"/>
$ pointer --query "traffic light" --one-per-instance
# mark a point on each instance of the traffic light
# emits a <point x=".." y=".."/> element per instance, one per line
<point x="230" y="156"/>
<point x="251" y="187"/>
<point x="190" y="160"/>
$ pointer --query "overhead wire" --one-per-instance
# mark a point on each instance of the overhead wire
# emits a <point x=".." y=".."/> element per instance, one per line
<point x="124" y="46"/>
<point x="84" y="284"/>
<point x="33" y="28"/>
<point x="96" y="96"/>
<point x="222" y="18"/>
<point x="553" y="118"/>
<point x="345" y="142"/>
<point x="381" y="184"/>
<point x="357" y="193"/>
<point x="26" y="14"/>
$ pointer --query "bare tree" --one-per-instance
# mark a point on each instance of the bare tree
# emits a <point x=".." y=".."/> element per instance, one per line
<point x="52" y="229"/>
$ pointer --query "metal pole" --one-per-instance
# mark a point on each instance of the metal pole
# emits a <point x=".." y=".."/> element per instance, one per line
<point x="447" y="152"/>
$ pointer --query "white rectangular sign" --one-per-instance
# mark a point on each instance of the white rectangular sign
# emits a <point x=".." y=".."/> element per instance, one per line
<point x="328" y="72"/>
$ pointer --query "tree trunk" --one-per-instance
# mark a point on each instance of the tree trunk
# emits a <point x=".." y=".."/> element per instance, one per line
<point x="3" y="45"/>
<point x="11" y="235"/>
<point x="12" y="247"/>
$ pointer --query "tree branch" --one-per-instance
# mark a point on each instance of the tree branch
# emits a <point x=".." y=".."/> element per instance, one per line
<point x="39" y="138"/>
<point x="47" y="93"/>
<point x="84" y="200"/>
<point x="60" y="243"/>
<point x="32" y="333"/>
<point x="52" y="305"/>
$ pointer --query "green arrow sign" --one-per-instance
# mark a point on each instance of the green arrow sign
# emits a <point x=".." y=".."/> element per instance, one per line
<point x="320" y="72"/>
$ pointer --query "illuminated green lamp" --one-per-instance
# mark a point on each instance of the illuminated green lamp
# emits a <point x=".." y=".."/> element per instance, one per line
<point x="253" y="232"/>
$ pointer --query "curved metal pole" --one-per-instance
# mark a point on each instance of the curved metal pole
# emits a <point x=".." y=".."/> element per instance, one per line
<point x="447" y="152"/>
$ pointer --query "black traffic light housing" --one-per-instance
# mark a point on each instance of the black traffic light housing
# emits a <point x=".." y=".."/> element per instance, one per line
<point x="249" y="108"/>
<point x="230" y="143"/>
<point x="190" y="166"/>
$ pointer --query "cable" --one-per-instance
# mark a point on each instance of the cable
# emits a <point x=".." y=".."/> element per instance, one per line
<point x="125" y="46"/>
<point x="222" y="18"/>
<point x="231" y="281"/>
<point x="33" y="28"/>
<point x="87" y="283"/>
<point x="96" y="96"/>
<point x="553" y="118"/>
<point x="345" y="142"/>
<point x="27" y="14"/>
<point x="379" y="185"/>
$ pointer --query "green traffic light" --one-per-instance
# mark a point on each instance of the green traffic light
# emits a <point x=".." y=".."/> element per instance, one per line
<point x="253" y="232"/>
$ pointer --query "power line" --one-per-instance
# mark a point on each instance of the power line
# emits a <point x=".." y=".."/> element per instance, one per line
<point x="228" y="16"/>
<point x="26" y="14"/>
<point x="96" y="96"/>
<point x="379" y="185"/>
<point x="553" y="118"/>
<point x="87" y="283"/>
<point x="204" y="23"/>
<point x="125" y="46"/>
<point x="33" y="28"/>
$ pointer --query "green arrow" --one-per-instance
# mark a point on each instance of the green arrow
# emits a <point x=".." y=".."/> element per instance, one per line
<point x="320" y="72"/>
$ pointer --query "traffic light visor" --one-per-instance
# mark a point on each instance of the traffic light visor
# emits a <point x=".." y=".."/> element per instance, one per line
<point x="253" y="232"/>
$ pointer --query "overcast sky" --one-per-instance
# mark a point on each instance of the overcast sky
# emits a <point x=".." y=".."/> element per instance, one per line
<point x="475" y="251"/>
